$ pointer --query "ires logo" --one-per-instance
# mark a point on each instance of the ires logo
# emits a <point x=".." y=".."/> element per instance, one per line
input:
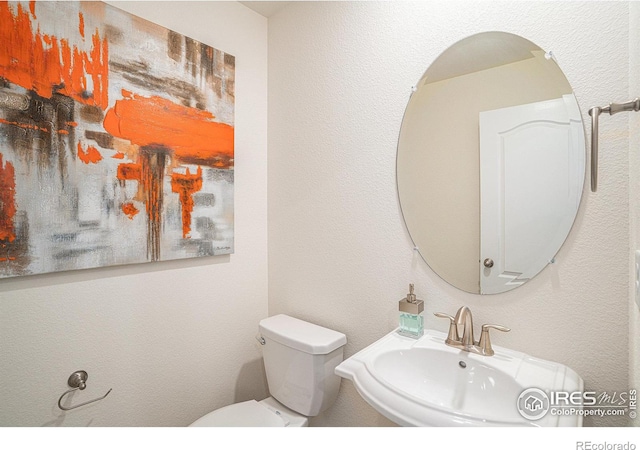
<point x="533" y="404"/>
<point x="591" y="398"/>
<point x="573" y="398"/>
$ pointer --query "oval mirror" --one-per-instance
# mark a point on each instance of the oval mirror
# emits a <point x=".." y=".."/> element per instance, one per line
<point x="491" y="162"/>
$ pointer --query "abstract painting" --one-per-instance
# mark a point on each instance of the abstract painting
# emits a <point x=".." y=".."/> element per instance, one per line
<point x="116" y="140"/>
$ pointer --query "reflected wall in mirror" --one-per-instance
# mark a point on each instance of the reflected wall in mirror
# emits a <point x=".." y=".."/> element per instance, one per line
<point x="491" y="162"/>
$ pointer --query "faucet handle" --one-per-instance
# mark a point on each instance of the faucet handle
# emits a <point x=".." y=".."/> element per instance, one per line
<point x="453" y="337"/>
<point x="487" y="326"/>
<point x="485" y="340"/>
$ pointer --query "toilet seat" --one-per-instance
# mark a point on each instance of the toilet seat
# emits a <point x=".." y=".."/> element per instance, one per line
<point x="245" y="414"/>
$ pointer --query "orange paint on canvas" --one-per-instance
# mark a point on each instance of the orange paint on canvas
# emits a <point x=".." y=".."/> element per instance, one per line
<point x="7" y="201"/>
<point x="89" y="156"/>
<point x="190" y="133"/>
<point x="129" y="171"/>
<point x="24" y="125"/>
<point x="130" y="210"/>
<point x="186" y="185"/>
<point x="118" y="155"/>
<point x="32" y="8"/>
<point x="81" y="24"/>
<point x="43" y="62"/>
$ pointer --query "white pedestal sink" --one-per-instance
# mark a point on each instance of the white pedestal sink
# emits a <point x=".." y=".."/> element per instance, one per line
<point x="424" y="382"/>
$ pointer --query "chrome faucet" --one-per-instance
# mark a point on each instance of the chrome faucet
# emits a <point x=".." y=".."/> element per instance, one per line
<point x="461" y="333"/>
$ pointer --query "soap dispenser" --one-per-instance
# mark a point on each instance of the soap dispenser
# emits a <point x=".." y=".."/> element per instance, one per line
<point x="411" y="315"/>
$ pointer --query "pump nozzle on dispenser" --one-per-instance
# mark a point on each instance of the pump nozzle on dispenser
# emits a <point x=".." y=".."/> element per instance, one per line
<point x="411" y="297"/>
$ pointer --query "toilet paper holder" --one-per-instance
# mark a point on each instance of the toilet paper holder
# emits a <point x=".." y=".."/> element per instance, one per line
<point x="78" y="381"/>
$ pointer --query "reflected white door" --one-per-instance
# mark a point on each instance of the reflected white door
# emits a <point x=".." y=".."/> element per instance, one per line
<point x="531" y="177"/>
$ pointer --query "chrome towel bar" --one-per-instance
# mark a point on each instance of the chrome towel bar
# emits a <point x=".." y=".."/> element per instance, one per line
<point x="78" y="380"/>
<point x="612" y="108"/>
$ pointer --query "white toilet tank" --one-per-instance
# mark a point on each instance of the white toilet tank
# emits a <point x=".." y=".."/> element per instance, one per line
<point x="300" y="359"/>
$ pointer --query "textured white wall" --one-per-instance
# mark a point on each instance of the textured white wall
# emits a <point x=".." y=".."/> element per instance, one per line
<point x="340" y="75"/>
<point x="174" y="339"/>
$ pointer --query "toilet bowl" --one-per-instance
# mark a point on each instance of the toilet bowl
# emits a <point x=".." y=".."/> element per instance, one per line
<point x="265" y="413"/>
<point x="299" y="360"/>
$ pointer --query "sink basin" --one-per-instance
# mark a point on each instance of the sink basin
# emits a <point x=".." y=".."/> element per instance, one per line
<point x="437" y="378"/>
<point x="427" y="383"/>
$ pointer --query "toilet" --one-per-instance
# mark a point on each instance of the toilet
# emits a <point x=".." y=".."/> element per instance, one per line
<point x="299" y="360"/>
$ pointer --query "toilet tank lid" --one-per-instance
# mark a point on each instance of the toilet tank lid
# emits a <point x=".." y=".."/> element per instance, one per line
<point x="301" y="335"/>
